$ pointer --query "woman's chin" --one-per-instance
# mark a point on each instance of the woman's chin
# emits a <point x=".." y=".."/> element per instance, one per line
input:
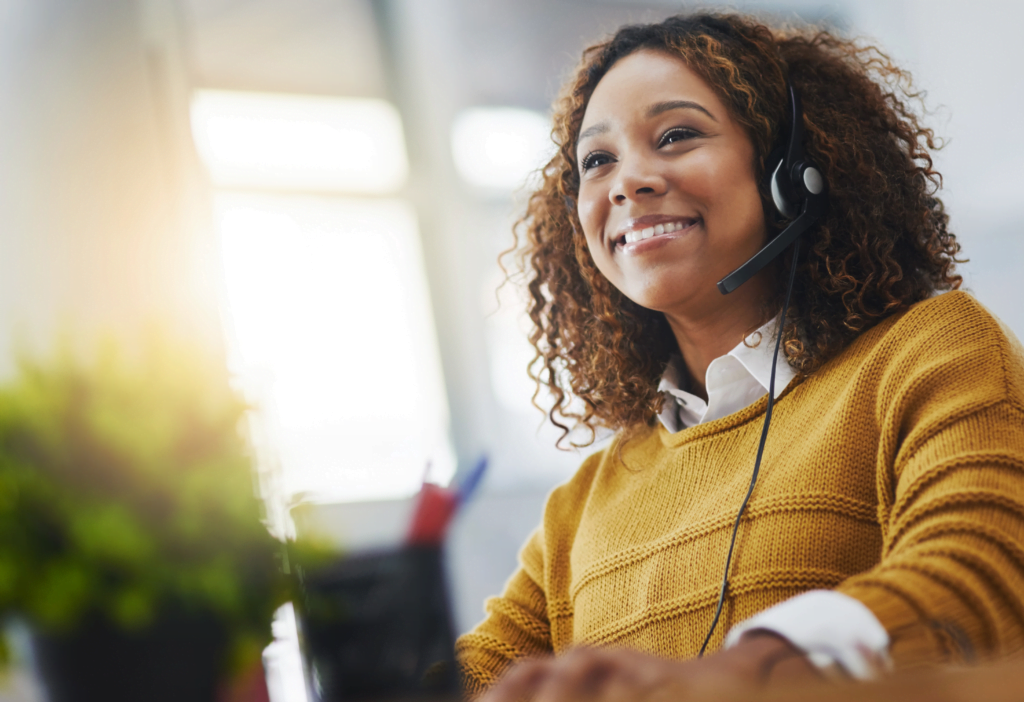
<point x="671" y="302"/>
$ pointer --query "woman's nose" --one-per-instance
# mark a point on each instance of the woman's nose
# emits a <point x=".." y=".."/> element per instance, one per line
<point x="638" y="179"/>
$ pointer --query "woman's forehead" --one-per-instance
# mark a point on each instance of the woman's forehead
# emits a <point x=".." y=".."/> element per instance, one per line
<point x="637" y="84"/>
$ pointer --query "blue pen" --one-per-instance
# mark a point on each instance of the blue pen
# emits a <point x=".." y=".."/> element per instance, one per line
<point x="469" y="484"/>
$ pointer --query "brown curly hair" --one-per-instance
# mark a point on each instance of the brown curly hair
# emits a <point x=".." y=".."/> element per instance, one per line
<point x="883" y="245"/>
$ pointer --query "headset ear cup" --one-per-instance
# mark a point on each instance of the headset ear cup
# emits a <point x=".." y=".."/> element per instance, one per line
<point x="770" y="189"/>
<point x="777" y="188"/>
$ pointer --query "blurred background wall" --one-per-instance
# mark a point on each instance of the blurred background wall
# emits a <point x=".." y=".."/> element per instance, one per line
<point x="322" y="188"/>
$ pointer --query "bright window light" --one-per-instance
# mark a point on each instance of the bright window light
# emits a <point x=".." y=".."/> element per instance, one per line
<point x="299" y="142"/>
<point x="507" y="329"/>
<point x="332" y="334"/>
<point x="498" y="148"/>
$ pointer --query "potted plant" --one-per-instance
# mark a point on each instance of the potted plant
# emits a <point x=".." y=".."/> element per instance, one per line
<point x="130" y="534"/>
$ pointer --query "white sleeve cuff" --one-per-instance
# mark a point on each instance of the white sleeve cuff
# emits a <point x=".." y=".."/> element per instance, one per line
<point x="830" y="627"/>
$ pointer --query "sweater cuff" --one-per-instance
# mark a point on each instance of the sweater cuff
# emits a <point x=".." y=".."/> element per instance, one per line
<point x="831" y="628"/>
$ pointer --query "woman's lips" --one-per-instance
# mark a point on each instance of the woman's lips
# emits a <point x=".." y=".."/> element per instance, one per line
<point x="629" y="239"/>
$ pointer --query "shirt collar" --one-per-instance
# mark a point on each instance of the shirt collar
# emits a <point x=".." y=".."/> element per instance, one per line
<point x="733" y="381"/>
<point x="757" y="359"/>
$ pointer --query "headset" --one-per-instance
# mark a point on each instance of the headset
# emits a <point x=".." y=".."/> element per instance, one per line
<point x="798" y="190"/>
<point x="800" y="193"/>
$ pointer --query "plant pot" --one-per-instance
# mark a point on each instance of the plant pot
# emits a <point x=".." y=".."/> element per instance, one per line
<point x="378" y="626"/>
<point x="177" y="659"/>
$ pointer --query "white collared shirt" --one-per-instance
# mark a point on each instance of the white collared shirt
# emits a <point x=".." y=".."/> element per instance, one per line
<point x="833" y="629"/>
<point x="733" y="381"/>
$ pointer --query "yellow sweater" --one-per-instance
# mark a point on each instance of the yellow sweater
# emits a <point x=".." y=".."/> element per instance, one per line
<point x="895" y="474"/>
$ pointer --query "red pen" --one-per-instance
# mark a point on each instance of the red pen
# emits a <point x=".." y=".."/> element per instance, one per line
<point x="433" y="512"/>
<point x="436" y="505"/>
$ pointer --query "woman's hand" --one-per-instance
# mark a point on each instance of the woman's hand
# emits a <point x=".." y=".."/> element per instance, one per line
<point x="618" y="674"/>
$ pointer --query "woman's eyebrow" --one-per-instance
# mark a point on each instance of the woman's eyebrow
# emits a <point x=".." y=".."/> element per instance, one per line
<point x="599" y="128"/>
<point x="660" y="107"/>
<point x="652" y="111"/>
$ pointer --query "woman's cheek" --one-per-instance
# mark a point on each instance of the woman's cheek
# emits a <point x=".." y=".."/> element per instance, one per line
<point x="593" y="221"/>
<point x="587" y="209"/>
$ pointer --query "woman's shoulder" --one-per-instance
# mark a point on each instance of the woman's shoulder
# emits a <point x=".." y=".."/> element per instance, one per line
<point x="949" y="323"/>
<point x="954" y="323"/>
<point x="599" y="472"/>
<point x="952" y="308"/>
<point x="569" y="497"/>
<point x="949" y="338"/>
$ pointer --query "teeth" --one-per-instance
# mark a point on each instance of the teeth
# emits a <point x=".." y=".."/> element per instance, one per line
<point x="641" y="234"/>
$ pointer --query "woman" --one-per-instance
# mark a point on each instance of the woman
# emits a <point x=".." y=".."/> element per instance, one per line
<point x="887" y="522"/>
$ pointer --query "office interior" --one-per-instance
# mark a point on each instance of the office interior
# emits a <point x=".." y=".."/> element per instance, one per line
<point x="322" y="189"/>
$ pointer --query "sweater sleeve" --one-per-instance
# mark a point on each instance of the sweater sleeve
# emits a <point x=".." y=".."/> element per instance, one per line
<point x="950" y="582"/>
<point x="516" y="625"/>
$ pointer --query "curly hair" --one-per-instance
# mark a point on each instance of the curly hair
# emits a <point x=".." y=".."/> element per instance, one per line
<point x="883" y="245"/>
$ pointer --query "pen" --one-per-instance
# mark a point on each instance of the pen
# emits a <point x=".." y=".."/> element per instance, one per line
<point x="436" y="506"/>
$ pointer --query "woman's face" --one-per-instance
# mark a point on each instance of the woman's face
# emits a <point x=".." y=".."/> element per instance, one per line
<point x="668" y="198"/>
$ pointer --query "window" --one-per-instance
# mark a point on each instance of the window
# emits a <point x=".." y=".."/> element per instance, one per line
<point x="327" y="312"/>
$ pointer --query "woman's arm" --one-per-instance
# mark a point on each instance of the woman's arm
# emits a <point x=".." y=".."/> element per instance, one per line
<point x="516" y="626"/>
<point x="951" y="580"/>
<point x="950" y="485"/>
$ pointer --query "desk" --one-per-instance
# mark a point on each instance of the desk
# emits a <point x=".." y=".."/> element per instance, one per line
<point x="996" y="682"/>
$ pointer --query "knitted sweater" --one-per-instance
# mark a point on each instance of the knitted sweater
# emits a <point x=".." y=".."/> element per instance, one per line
<point x="894" y="474"/>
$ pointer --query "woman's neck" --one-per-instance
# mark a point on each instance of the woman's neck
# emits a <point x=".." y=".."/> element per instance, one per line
<point x="705" y="336"/>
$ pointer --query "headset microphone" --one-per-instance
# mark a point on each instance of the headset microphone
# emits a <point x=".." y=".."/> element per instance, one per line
<point x="798" y="190"/>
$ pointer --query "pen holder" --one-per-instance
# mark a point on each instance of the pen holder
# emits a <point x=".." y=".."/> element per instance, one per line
<point x="378" y="626"/>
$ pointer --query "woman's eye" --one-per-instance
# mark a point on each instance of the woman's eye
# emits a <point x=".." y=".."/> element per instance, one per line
<point x="593" y="160"/>
<point x="677" y="134"/>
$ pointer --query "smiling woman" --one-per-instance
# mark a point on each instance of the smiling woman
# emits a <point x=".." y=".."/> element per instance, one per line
<point x="664" y="152"/>
<point x="887" y="526"/>
<point x="884" y="243"/>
